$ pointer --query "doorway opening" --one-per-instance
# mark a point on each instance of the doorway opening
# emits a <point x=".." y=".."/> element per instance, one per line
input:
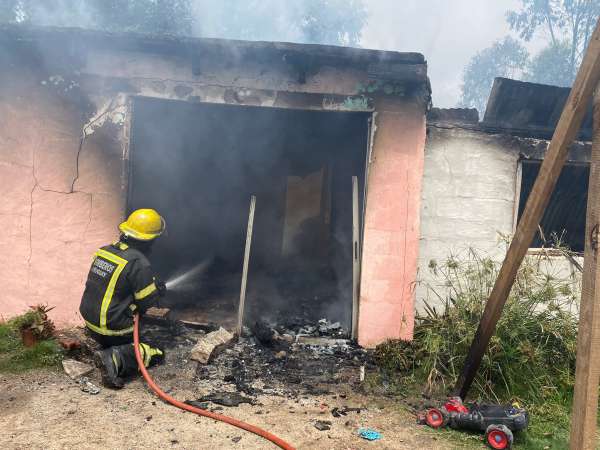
<point x="198" y="164"/>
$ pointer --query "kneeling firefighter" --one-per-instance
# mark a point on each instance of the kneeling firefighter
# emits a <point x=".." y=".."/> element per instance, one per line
<point x="120" y="283"/>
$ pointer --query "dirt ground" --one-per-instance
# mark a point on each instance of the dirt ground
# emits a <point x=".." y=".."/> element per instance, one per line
<point x="47" y="410"/>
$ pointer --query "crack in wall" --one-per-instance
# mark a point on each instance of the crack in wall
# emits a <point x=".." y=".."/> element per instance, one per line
<point x="37" y="185"/>
<point x="116" y="110"/>
<point x="76" y="177"/>
<point x="87" y="226"/>
<point x="88" y="128"/>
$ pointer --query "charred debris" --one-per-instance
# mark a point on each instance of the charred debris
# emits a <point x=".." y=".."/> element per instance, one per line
<point x="292" y="359"/>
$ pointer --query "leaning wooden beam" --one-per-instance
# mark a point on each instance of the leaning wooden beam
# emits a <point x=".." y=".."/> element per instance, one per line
<point x="240" y="322"/>
<point x="587" y="374"/>
<point x="566" y="130"/>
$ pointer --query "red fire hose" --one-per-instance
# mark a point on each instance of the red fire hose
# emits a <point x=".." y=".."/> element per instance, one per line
<point x="231" y="421"/>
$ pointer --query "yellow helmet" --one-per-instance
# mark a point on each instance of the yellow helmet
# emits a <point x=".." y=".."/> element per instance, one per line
<point x="143" y="225"/>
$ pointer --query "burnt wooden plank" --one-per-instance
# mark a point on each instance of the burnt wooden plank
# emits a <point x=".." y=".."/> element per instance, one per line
<point x="240" y="322"/>
<point x="355" y="257"/>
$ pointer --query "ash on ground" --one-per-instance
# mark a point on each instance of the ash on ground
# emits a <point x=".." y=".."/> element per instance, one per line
<point x="279" y="361"/>
<point x="290" y="360"/>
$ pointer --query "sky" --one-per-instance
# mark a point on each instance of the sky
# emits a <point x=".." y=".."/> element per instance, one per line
<point x="447" y="32"/>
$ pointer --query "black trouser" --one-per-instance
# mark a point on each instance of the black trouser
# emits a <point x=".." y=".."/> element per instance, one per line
<point x="123" y="353"/>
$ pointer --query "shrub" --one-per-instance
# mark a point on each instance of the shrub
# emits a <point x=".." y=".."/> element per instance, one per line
<point x="531" y="357"/>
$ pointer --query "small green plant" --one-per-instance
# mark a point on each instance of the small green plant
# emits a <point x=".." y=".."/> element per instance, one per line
<point x="15" y="356"/>
<point x="530" y="359"/>
<point x="35" y="320"/>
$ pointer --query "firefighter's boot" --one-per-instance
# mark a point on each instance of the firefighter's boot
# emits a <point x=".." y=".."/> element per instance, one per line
<point x="108" y="363"/>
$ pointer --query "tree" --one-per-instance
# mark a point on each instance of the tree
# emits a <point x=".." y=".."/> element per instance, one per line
<point x="551" y="66"/>
<point x="308" y="21"/>
<point x="149" y="16"/>
<point x="333" y="21"/>
<point x="505" y="58"/>
<point x="569" y="24"/>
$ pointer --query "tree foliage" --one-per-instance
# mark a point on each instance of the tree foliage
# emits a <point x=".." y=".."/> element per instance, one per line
<point x="308" y="21"/>
<point x="551" y="66"/>
<point x="505" y="58"/>
<point x="333" y="21"/>
<point x="150" y="16"/>
<point x="566" y="25"/>
<point x="567" y="22"/>
<point x="311" y="21"/>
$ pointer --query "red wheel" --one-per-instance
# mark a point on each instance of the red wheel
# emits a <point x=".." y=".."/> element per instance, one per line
<point x="498" y="437"/>
<point x="435" y="418"/>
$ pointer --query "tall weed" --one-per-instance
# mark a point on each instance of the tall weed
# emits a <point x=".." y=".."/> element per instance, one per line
<point x="531" y="356"/>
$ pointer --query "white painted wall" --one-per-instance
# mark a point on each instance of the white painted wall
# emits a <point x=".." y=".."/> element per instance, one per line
<point x="468" y="200"/>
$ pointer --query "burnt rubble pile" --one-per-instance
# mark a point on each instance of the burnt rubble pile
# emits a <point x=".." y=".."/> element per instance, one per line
<point x="291" y="359"/>
<point x="286" y="360"/>
<point x="294" y="329"/>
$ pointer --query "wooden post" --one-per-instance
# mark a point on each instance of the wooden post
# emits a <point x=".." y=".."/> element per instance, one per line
<point x="355" y="257"/>
<point x="587" y="374"/>
<point x="240" y="322"/>
<point x="566" y="130"/>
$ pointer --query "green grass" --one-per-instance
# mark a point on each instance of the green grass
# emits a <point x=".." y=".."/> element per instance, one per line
<point x="549" y="428"/>
<point x="539" y="436"/>
<point x="15" y="357"/>
<point x="530" y="359"/>
<point x="457" y="440"/>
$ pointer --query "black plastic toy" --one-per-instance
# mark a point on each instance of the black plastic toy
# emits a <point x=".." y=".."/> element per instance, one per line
<point x="498" y="421"/>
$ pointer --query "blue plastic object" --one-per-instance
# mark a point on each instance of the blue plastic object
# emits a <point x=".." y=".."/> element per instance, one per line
<point x="369" y="434"/>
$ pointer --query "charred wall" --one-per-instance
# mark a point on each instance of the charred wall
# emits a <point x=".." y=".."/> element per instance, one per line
<point x="199" y="164"/>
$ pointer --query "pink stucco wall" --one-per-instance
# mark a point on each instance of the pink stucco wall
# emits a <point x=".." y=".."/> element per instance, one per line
<point x="48" y="232"/>
<point x="391" y="229"/>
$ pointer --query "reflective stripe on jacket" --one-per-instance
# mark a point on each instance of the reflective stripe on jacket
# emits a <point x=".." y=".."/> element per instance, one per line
<point x="119" y="282"/>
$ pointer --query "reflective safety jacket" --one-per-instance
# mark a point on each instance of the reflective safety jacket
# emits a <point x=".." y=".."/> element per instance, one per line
<point x="120" y="282"/>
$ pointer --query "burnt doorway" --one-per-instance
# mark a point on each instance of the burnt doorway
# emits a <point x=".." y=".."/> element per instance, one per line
<point x="198" y="164"/>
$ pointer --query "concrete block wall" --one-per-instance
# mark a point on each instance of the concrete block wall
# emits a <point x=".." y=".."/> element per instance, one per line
<point x="468" y="198"/>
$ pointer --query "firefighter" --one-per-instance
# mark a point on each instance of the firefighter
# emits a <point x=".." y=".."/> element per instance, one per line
<point x="120" y="283"/>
